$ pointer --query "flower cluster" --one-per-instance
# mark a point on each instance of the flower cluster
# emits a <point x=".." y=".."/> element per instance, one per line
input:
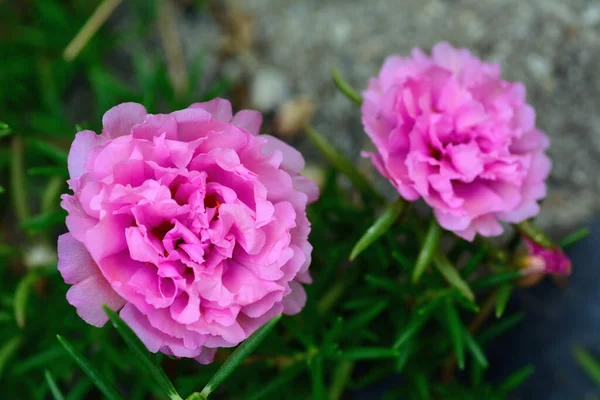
<point x="191" y="223"/>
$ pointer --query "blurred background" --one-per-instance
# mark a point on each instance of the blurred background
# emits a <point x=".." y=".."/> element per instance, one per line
<point x="63" y="63"/>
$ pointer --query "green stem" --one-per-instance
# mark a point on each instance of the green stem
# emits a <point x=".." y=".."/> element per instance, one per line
<point x="196" y="396"/>
<point x="18" y="188"/>
<point x="345" y="88"/>
<point x="341" y="377"/>
<point x="331" y="297"/>
<point x="528" y="229"/>
<point x="343" y="165"/>
<point x="51" y="194"/>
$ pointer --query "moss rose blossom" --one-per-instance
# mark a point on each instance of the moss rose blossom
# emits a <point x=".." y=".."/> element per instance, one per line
<point x="191" y="223"/>
<point x="449" y="130"/>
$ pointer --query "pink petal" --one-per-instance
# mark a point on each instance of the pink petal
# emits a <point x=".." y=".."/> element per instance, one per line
<point x="75" y="263"/>
<point x="294" y="302"/>
<point x="84" y="142"/>
<point x="219" y="108"/>
<point x="249" y="120"/>
<point x="293" y="161"/>
<point x="119" y="120"/>
<point x="89" y="295"/>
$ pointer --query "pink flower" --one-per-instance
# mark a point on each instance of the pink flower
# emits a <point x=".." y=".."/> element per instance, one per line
<point x="543" y="260"/>
<point x="449" y="130"/>
<point x="191" y="223"/>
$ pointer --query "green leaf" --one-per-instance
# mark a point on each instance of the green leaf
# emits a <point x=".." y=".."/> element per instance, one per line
<point x="589" y="364"/>
<point x="342" y="164"/>
<point x="452" y="276"/>
<point x="474" y="262"/>
<point x="39" y="360"/>
<point x="100" y="381"/>
<point x="498" y="328"/>
<point x="528" y="229"/>
<point x="4" y="130"/>
<point x="48" y="171"/>
<point x="496" y="279"/>
<point x="21" y="297"/>
<point x="365" y="317"/>
<point x="379" y="227"/>
<point x="419" y="317"/>
<point x="368" y="353"/>
<point x="236" y="358"/>
<point x="149" y="362"/>
<point x="475" y="349"/>
<point x="502" y="299"/>
<point x="49" y="150"/>
<point x="44" y="221"/>
<point x="456" y="329"/>
<point x="7" y="351"/>
<point x="56" y="394"/>
<point x="515" y="379"/>
<point x="317" y="377"/>
<point x="574" y="237"/>
<point x="345" y="88"/>
<point x="422" y="386"/>
<point x="282" y="379"/>
<point x="432" y="238"/>
<point x="341" y="378"/>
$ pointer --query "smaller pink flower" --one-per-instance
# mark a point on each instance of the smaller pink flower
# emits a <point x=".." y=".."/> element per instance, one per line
<point x="448" y="129"/>
<point x="548" y="261"/>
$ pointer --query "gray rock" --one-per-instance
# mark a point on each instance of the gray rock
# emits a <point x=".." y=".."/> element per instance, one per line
<point x="551" y="45"/>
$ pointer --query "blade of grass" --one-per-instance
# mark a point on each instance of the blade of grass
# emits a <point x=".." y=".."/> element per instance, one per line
<point x="56" y="394"/>
<point x="107" y="388"/>
<point x="236" y="358"/>
<point x="588" y="363"/>
<point x="432" y="238"/>
<point x="379" y="227"/>
<point x="149" y="362"/>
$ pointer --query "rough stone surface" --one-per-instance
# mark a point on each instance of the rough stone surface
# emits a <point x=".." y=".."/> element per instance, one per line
<point x="551" y="45"/>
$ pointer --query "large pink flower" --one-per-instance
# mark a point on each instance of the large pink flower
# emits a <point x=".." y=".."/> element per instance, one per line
<point x="449" y="130"/>
<point x="191" y="223"/>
